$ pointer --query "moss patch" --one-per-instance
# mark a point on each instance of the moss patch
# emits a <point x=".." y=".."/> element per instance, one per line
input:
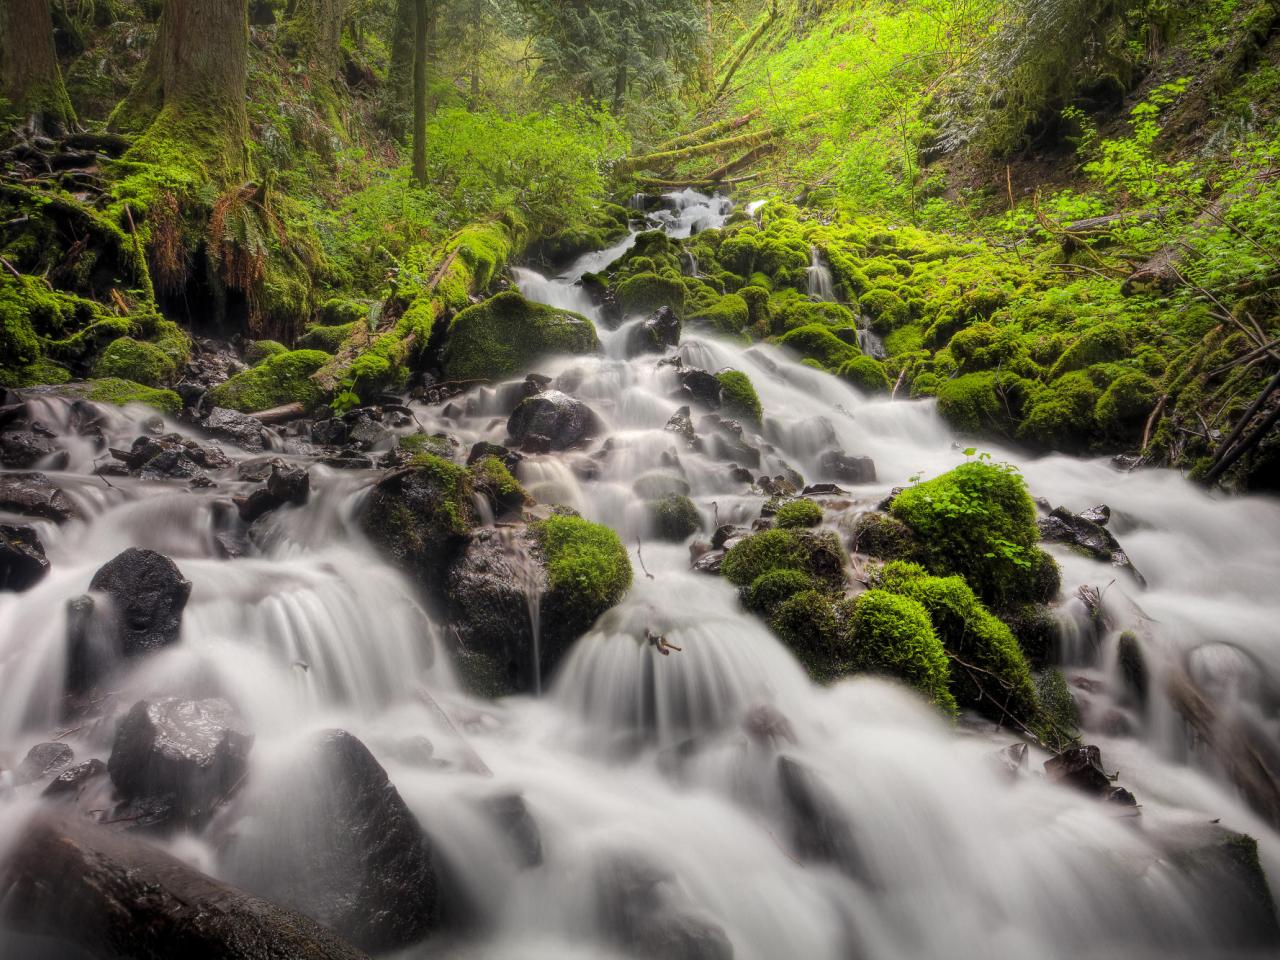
<point x="892" y="634"/>
<point x="284" y="378"/>
<point x="738" y="396"/>
<point x="506" y="335"/>
<point x="588" y="571"/>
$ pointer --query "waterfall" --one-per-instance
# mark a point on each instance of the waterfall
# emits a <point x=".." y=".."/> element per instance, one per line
<point x="821" y="285"/>
<point x="715" y="761"/>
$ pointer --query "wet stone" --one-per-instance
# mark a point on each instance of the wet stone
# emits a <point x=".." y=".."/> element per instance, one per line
<point x="34" y="495"/>
<point x="71" y="780"/>
<point x="42" y="760"/>
<point x="846" y="468"/>
<point x="1079" y="767"/>
<point x="22" y="560"/>
<point x="22" y="449"/>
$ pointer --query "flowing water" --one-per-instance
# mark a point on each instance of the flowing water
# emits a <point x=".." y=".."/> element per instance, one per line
<point x="695" y="762"/>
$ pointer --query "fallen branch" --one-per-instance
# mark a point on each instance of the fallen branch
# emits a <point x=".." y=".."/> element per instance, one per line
<point x="281" y="414"/>
<point x="710" y="131"/>
<point x="1094" y="228"/>
<point x="640" y="557"/>
<point x="667" y="157"/>
<point x="746" y="49"/>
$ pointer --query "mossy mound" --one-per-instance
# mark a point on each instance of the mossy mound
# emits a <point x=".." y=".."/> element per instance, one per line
<point x="817" y="554"/>
<point x="120" y="392"/>
<point x="865" y="373"/>
<point x="815" y="341"/>
<point x="982" y="404"/>
<point x="738" y="396"/>
<point x="770" y="589"/>
<point x="645" y="292"/>
<point x="978" y="521"/>
<point x="886" y="309"/>
<point x="495" y="482"/>
<point x="806" y="623"/>
<point x="892" y="634"/>
<point x="259" y="350"/>
<point x="730" y="314"/>
<point x="798" y="513"/>
<point x="674" y="517"/>
<point x="284" y="378"/>
<point x="881" y="535"/>
<point x="506" y="335"/>
<point x="588" y="571"/>
<point x="136" y="360"/>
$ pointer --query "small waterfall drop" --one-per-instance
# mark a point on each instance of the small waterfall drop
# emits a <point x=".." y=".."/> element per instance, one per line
<point x="821" y="284"/>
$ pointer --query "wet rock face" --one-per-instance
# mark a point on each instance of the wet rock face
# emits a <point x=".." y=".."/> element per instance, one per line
<point x="1086" y="532"/>
<point x="22" y="449"/>
<point x="42" y="760"/>
<point x="366" y="870"/>
<point x="654" y="335"/>
<point x="1079" y="767"/>
<point x="239" y="428"/>
<point x="846" y="468"/>
<point x="178" y="759"/>
<point x="22" y="560"/>
<point x="119" y="899"/>
<point x="701" y="387"/>
<point x="510" y="814"/>
<point x="285" y="485"/>
<point x="643" y="912"/>
<point x="72" y="779"/>
<point x="34" y="495"/>
<point x="563" y="420"/>
<point x="819" y="830"/>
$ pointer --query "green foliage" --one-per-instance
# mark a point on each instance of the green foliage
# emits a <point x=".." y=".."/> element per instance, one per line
<point x="122" y="392"/>
<point x="507" y="335"/>
<point x="283" y="378"/>
<point x="644" y="293"/>
<point x="141" y="362"/>
<point x="798" y="513"/>
<point x="892" y="634"/>
<point x="1061" y="415"/>
<point x="674" y="517"/>
<point x="738" y="396"/>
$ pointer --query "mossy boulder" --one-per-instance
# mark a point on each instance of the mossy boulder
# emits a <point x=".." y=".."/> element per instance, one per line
<point x="978" y="521"/>
<point x="588" y="571"/>
<point x="647" y="291"/>
<point x="1103" y="343"/>
<point x="136" y="360"/>
<point x="340" y="311"/>
<point x="283" y="378"/>
<point x="729" y="314"/>
<point x="259" y="350"/>
<point x="797" y="513"/>
<point x="420" y="517"/>
<point x="1126" y="404"/>
<point x="865" y="373"/>
<point x="119" y="392"/>
<point x="770" y="589"/>
<point x="495" y="483"/>
<point x="1060" y="417"/>
<point x="806" y="623"/>
<point x="329" y="338"/>
<point x="817" y="554"/>
<point x="884" y="536"/>
<point x="507" y="334"/>
<point x="981" y="404"/>
<point x="886" y="309"/>
<point x="893" y="635"/>
<point x="738" y="396"/>
<point x="674" y="517"/>
<point x="816" y="341"/>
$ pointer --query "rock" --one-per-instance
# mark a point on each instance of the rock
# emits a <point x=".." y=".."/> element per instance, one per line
<point x="644" y="913"/>
<point x="768" y="726"/>
<point x="1100" y="514"/>
<point x="1079" y="767"/>
<point x="654" y="335"/>
<point x="118" y="899"/>
<point x="488" y="593"/>
<point x="741" y="474"/>
<point x="848" y="469"/>
<point x="818" y="489"/>
<point x="42" y="760"/>
<point x="710" y="562"/>
<point x="22" y="560"/>
<point x="1133" y="667"/>
<point x="365" y="430"/>
<point x="722" y="440"/>
<point x="657" y="484"/>
<point x="21" y="449"/>
<point x="724" y="533"/>
<point x="1120" y="796"/>
<point x="1011" y="761"/>
<point x="163" y="458"/>
<point x="186" y="755"/>
<point x="71" y="780"/>
<point x="289" y="484"/>
<point x="510" y="814"/>
<point x="1063" y="526"/>
<point x="681" y="424"/>
<point x="819" y="830"/>
<point x="239" y="428"/>
<point x="34" y="495"/>
<point x="329" y="432"/>
<point x="701" y="387"/>
<point x="364" y="868"/>
<point x="562" y="419"/>
<point x="483" y="449"/>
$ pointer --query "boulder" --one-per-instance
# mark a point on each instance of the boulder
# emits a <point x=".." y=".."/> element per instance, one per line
<point x="1079" y="767"/>
<point x="701" y="387"/>
<point x="847" y="469"/>
<point x="331" y="432"/>
<point x="510" y="814"/>
<point x="239" y="428"/>
<point x="22" y="560"/>
<point x="1088" y="536"/>
<point x="178" y="759"/>
<point x="72" y="779"/>
<point x="722" y="440"/>
<point x="483" y="449"/>
<point x="285" y="485"/>
<point x="643" y="912"/>
<point x="654" y="335"/>
<point x="507" y="335"/>
<point x="818" y="829"/>
<point x="116" y="898"/>
<point x="564" y="420"/>
<point x="34" y="495"/>
<point x="21" y="449"/>
<point x="42" y="760"/>
<point x="681" y="424"/>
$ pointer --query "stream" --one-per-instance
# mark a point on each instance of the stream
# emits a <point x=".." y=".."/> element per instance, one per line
<point x="633" y="762"/>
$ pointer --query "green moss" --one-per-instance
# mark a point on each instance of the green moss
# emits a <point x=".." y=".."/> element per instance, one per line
<point x="982" y="404"/>
<point x="892" y="634"/>
<point x="885" y="308"/>
<point x="645" y="292"/>
<point x="1103" y="343"/>
<point x="817" y="554"/>
<point x="34" y="374"/>
<point x="729" y="314"/>
<point x="588" y="571"/>
<point x="674" y="517"/>
<point x="121" y="392"/>
<point x="18" y="342"/>
<point x="806" y="623"/>
<point x="738" y="396"/>
<point x="798" y="513"/>
<point x="1060" y="417"/>
<point x="485" y="249"/>
<point x="816" y="342"/>
<point x="329" y="338"/>
<point x="284" y="378"/>
<point x="1126" y="404"/>
<point x="905" y="339"/>
<point x="979" y="521"/>
<point x="491" y="477"/>
<point x="129" y="359"/>
<point x="990" y="672"/>
<point x="507" y="335"/>
<point x="770" y="589"/>
<point x="865" y="373"/>
<point x="339" y="312"/>
<point x="883" y="536"/>
<point x="259" y="350"/>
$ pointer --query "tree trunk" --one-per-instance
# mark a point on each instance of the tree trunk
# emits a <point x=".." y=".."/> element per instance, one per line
<point x="189" y="101"/>
<point x="620" y="86"/>
<point x="398" y="90"/>
<point x="315" y="29"/>
<point x="29" y="76"/>
<point x="420" y="53"/>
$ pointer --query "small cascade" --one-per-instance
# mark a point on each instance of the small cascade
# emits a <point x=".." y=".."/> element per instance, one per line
<point x="821" y="284"/>
<point x="690" y="263"/>
<point x="869" y="342"/>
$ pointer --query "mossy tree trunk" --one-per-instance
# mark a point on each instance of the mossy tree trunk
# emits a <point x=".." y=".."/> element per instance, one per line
<point x="315" y="31"/>
<point x="29" y="74"/>
<point x="421" y="32"/>
<point x="398" y="89"/>
<point x="188" y="107"/>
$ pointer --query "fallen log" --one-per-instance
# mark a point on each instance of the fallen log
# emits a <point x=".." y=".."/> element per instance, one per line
<point x="747" y="47"/>
<point x="744" y="161"/>
<point x="281" y="414"/>
<point x="710" y="131"/>
<point x="1075" y="234"/>
<point x="744" y="141"/>
<point x="654" y="183"/>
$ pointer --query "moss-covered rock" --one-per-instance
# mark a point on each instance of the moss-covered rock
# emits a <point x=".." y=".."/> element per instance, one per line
<point x="1060" y="417"/>
<point x="729" y="314"/>
<point x="817" y="554"/>
<point x="978" y="521"/>
<point x="588" y="571"/>
<point x="122" y="392"/>
<point x="884" y="536"/>
<point x="982" y="404"/>
<point x="329" y="338"/>
<point x="495" y="483"/>
<point x="770" y="589"/>
<point x="1103" y="343"/>
<point x="674" y="517"/>
<point x="141" y="362"/>
<point x="1126" y="404"/>
<point x="801" y="512"/>
<point x="885" y="308"/>
<point x="892" y="634"/>
<point x="284" y="378"/>
<point x="647" y="291"/>
<point x="865" y="373"/>
<point x="508" y="334"/>
<point x="738" y="396"/>
<point x="815" y="341"/>
<point x="340" y="312"/>
<point x="259" y="350"/>
<point x="806" y="623"/>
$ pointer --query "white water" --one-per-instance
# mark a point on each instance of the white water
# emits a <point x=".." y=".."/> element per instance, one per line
<point x="635" y="753"/>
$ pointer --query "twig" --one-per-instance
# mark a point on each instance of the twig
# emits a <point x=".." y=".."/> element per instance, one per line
<point x="640" y="557"/>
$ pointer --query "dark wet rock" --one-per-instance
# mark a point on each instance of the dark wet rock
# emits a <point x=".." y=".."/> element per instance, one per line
<point x="255" y="504"/>
<point x="884" y="504"/>
<point x="34" y="495"/>
<point x="239" y="428"/>
<point x="365" y="870"/>
<point x="510" y="814"/>
<point x="564" y="420"/>
<point x="365" y="430"/>
<point x="681" y="424"/>
<point x="741" y="474"/>
<point x="722" y="440"/>
<point x="21" y="449"/>
<point x="22" y="560"/>
<point x="819" y="830"/>
<point x="643" y="912"/>
<point x="847" y="469"/>
<point x="331" y="432"/>
<point x="1101" y="514"/>
<point x="1079" y="767"/>
<point x="160" y="458"/>
<point x="1121" y="797"/>
<point x="710" y="562"/>
<point x="654" y="335"/>
<point x="483" y="449"/>
<point x="348" y="460"/>
<point x="724" y="533"/>
<point x="285" y="485"/>
<point x="1010" y="761"/>
<point x="1088" y="536"/>
<point x="819" y="489"/>
<point x="256" y="470"/>
<point x="146" y="594"/>
<point x="488" y="590"/>
<point x="1133" y="667"/>
<point x="195" y="398"/>
<point x="701" y="387"/>
<point x="42" y="760"/>
<point x="535" y="444"/>
<point x="184" y="756"/>
<point x="116" y="898"/>
<point x="73" y="779"/>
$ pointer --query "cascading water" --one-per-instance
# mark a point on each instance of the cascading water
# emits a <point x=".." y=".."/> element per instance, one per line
<point x="821" y="284"/>
<point x="713" y="767"/>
